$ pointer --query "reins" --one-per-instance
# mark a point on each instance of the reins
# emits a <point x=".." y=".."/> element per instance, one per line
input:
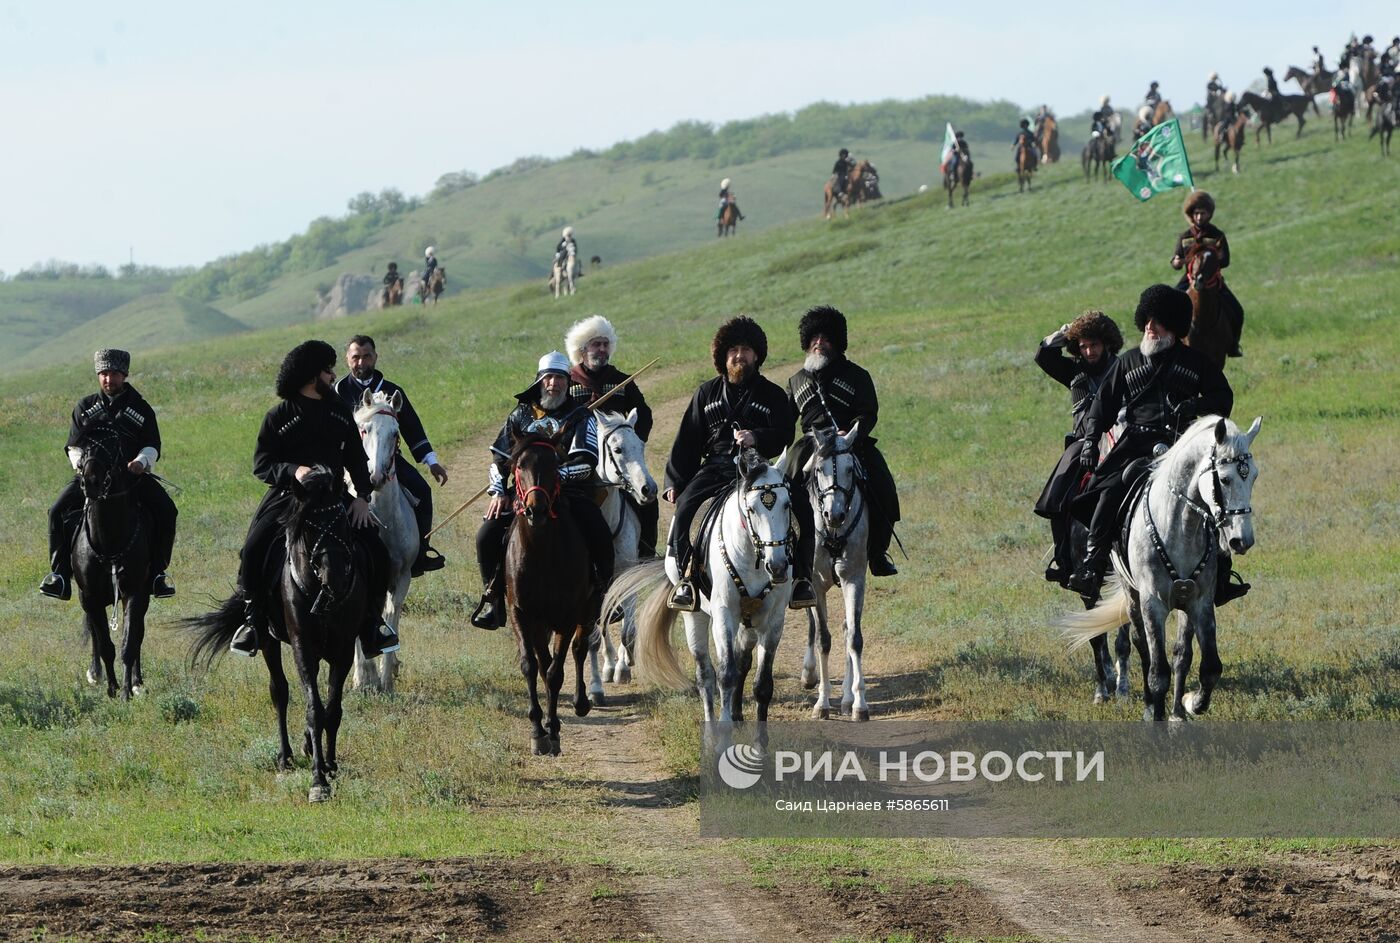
<point x="522" y="494"/>
<point x="749" y="602"/>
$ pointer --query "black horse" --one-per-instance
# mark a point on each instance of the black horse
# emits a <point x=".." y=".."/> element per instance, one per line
<point x="319" y="604"/>
<point x="112" y="562"/>
<point x="1272" y="111"/>
<point x="1098" y="157"/>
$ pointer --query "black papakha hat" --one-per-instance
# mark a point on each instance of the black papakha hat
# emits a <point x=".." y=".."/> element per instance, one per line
<point x="1167" y="306"/>
<point x="303" y="363"/>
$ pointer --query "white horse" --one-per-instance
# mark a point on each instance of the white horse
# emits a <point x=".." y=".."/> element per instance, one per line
<point x="842" y="526"/>
<point x="378" y="419"/>
<point x="1195" y="508"/>
<point x="622" y="465"/>
<point x="749" y="567"/>
<point x="563" y="272"/>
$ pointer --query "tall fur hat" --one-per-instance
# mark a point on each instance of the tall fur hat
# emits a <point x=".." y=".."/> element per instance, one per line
<point x="111" y="358"/>
<point x="1096" y="326"/>
<point x="740" y="331"/>
<point x="1167" y="306"/>
<point x="303" y="363"/>
<point x="823" y="319"/>
<point x="1198" y="200"/>
<point x="584" y="331"/>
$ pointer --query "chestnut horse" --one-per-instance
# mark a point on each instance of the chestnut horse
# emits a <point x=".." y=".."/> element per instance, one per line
<point x="1231" y="137"/>
<point x="548" y="587"/>
<point x="1049" y="140"/>
<point x="1211" y="334"/>
<point x="728" y="219"/>
<point x="1025" y="166"/>
<point x="1162" y="113"/>
<point x="393" y="294"/>
<point x="433" y="286"/>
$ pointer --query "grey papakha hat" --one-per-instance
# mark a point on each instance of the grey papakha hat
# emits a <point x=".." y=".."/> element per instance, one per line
<point x="112" y="359"/>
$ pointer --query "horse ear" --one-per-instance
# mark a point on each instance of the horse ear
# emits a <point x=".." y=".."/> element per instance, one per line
<point x="1253" y="431"/>
<point x="632" y="417"/>
<point x="367" y="399"/>
<point x="782" y="458"/>
<point x="1220" y="432"/>
<point x="852" y="436"/>
<point x="396" y="401"/>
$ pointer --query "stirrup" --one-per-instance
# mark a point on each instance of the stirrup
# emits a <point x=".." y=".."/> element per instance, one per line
<point x="245" y="640"/>
<point x="427" y="561"/>
<point x="57" y="586"/>
<point x="683" y="597"/>
<point x="1233" y="588"/>
<point x="489" y="614"/>
<point x="804" y="596"/>
<point x="162" y="587"/>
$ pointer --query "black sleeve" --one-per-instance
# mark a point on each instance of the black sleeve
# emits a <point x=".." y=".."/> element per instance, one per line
<point x="686" y="451"/>
<point x="770" y="440"/>
<point x="1216" y="395"/>
<point x="1180" y="251"/>
<point x="1056" y="365"/>
<point x="411" y="428"/>
<point x="1224" y="252"/>
<point x="1104" y="412"/>
<point x="150" y="433"/>
<point x="267" y="461"/>
<point x="644" y="419"/>
<point x="352" y="448"/>
<point x="75" y="428"/>
<point x="867" y="403"/>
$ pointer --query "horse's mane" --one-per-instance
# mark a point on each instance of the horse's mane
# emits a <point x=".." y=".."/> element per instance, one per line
<point x="525" y="442"/>
<point x="380" y="399"/>
<point x="1177" y="454"/>
<point x="318" y="486"/>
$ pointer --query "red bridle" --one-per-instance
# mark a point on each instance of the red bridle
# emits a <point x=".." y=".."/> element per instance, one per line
<point x="522" y="494"/>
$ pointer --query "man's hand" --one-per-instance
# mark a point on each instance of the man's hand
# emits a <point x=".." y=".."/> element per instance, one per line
<point x="136" y="466"/>
<point x="439" y="473"/>
<point x="744" y="438"/>
<point x="669" y="496"/>
<point x="496" y="508"/>
<point x="359" y="513"/>
<point x="1176" y="262"/>
<point x="1088" y="456"/>
<point x="305" y="470"/>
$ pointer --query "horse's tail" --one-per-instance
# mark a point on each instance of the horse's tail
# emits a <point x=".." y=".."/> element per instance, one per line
<point x="214" y="630"/>
<point x="656" y="659"/>
<point x="1080" y="628"/>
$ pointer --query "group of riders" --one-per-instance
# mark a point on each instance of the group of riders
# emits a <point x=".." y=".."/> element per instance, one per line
<point x="312" y="430"/>
<point x="393" y="281"/>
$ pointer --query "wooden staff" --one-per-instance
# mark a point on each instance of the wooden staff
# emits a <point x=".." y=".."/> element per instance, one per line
<point x="594" y="405"/>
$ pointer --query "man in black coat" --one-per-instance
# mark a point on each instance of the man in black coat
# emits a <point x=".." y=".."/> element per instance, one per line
<point x="737" y="409"/>
<point x="543" y="407"/>
<point x="1162" y="386"/>
<point x="311" y="426"/>
<point x="842" y="170"/>
<point x="117" y="408"/>
<point x="362" y="358"/>
<point x="591" y="344"/>
<point x="1092" y="341"/>
<point x="832" y="393"/>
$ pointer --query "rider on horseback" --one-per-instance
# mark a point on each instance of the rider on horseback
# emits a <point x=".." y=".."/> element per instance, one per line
<point x="361" y="357"/>
<point x="1317" y="61"/>
<point x="842" y="170"/>
<point x="543" y="408"/>
<point x="591" y="344"/>
<point x="1102" y="120"/>
<point x="392" y="277"/>
<point x="1216" y="87"/>
<point x="1092" y="341"/>
<point x="726" y="198"/>
<point x="737" y="409"/>
<point x="1199" y="208"/>
<point x="116" y="409"/>
<point x="1144" y="122"/>
<point x="310" y="427"/>
<point x="430" y="263"/>
<point x="1024" y="138"/>
<point x="561" y="251"/>
<point x="1160" y="388"/>
<point x="1273" y="90"/>
<point x="1153" y="98"/>
<point x="1229" y="113"/>
<point x="830" y="393"/>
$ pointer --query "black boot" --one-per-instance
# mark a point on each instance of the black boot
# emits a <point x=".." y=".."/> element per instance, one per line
<point x="490" y="613"/>
<point x="1087" y="581"/>
<point x="162" y="586"/>
<point x="246" y="639"/>
<point x="803" y="595"/>
<point x="683" y="597"/>
<point x="882" y="565"/>
<point x="59" y="583"/>
<point x="379" y="638"/>
<point x="428" y="560"/>
<point x="1226" y="589"/>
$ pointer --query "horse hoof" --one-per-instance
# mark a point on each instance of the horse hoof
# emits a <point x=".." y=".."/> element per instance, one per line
<point x="138" y="690"/>
<point x="1100" y="697"/>
<point x="93" y="677"/>
<point x="597" y="699"/>
<point x="319" y="793"/>
<point x="1192" y="703"/>
<point x="582" y="708"/>
<point x="809" y="679"/>
<point x="862" y="714"/>
<point x="821" y="712"/>
<point x="553" y="746"/>
<point x="539" y="746"/>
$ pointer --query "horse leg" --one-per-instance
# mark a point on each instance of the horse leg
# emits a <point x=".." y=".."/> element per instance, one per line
<point x="281" y="695"/>
<point x="135" y="619"/>
<point x="335" y="694"/>
<point x="315" y="719"/>
<point x="104" y="652"/>
<point x="728" y="663"/>
<point x="555" y="683"/>
<point x="853" y="690"/>
<point x="1182" y="655"/>
<point x="763" y="680"/>
<point x="1122" y="648"/>
<point x="365" y="674"/>
<point x="742" y="678"/>
<point x="1198" y="702"/>
<point x="582" y="704"/>
<point x="1154" y="618"/>
<point x="699" y="644"/>
<point x="622" y="670"/>
<point x="1102" y="686"/>
<point x="591" y="646"/>
<point x="529" y="667"/>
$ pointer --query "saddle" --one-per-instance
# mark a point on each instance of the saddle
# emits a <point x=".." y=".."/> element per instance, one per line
<point x="1136" y="475"/>
<point x="702" y="528"/>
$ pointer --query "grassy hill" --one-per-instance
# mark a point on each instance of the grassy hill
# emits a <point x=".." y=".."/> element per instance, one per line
<point x="33" y="313"/>
<point x="145" y="323"/>
<point x="946" y="309"/>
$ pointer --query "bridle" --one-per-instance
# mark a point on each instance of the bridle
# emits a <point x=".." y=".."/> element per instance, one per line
<point x="749" y="602"/>
<point x="110" y="453"/>
<point x="1214" y="519"/>
<point x="522" y="494"/>
<point x="364" y="434"/>
<point x="836" y="543"/>
<point x="611" y="461"/>
<point x="322" y="521"/>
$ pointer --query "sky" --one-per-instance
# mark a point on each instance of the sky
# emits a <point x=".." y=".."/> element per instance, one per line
<point x="174" y="134"/>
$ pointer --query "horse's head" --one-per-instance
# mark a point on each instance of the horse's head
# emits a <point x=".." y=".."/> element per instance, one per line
<point x="1202" y="264"/>
<point x="534" y="462"/>
<point x="832" y="468"/>
<point x="766" y="508"/>
<point x="622" y="456"/>
<point x="319" y="538"/>
<point x="378" y="419"/>
<point x="1225" y="482"/>
<point x="102" y="473"/>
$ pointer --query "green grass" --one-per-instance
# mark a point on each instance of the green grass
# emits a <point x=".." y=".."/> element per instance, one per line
<point x="946" y="309"/>
<point x="145" y="323"/>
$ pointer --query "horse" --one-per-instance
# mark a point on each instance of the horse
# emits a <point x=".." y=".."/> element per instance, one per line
<point x="1272" y="111"/>
<point x="831" y="198"/>
<point x="622" y="467"/>
<point x="562" y="272"/>
<point x="1193" y="507"/>
<point x="956" y="175"/>
<point x="378" y="419"/>
<point x="393" y="293"/>
<point x="1210" y="114"/>
<point x="319" y="604"/>
<point x="728" y="219"/>
<point x="548" y="587"/>
<point x="749" y="568"/>
<point x="1210" y="333"/>
<point x="1312" y="83"/>
<point x="1099" y="154"/>
<point x="1232" y="137"/>
<point x="863" y="183"/>
<point x="433" y="286"/>
<point x="842" y="521"/>
<point x="1343" y="111"/>
<point x="1384" y="123"/>
<point x="1025" y="166"/>
<point x="1162" y="113"/>
<point x="112" y="562"/>
<point x="1049" y="135"/>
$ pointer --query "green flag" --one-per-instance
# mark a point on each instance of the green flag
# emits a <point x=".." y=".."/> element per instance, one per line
<point x="1156" y="163"/>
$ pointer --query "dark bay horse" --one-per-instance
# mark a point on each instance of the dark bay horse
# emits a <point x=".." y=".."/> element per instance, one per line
<point x="1312" y="83"/>
<point x="112" y="562"/>
<point x="1383" y="124"/>
<point x="1098" y="155"/>
<point x="1211" y="333"/>
<point x="319" y="605"/>
<point x="1025" y="166"/>
<point x="1272" y="111"/>
<point x="549" y="590"/>
<point x="1343" y="111"/>
<point x="959" y="174"/>
<point x="728" y="219"/>
<point x="1231" y="137"/>
<point x="393" y="294"/>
